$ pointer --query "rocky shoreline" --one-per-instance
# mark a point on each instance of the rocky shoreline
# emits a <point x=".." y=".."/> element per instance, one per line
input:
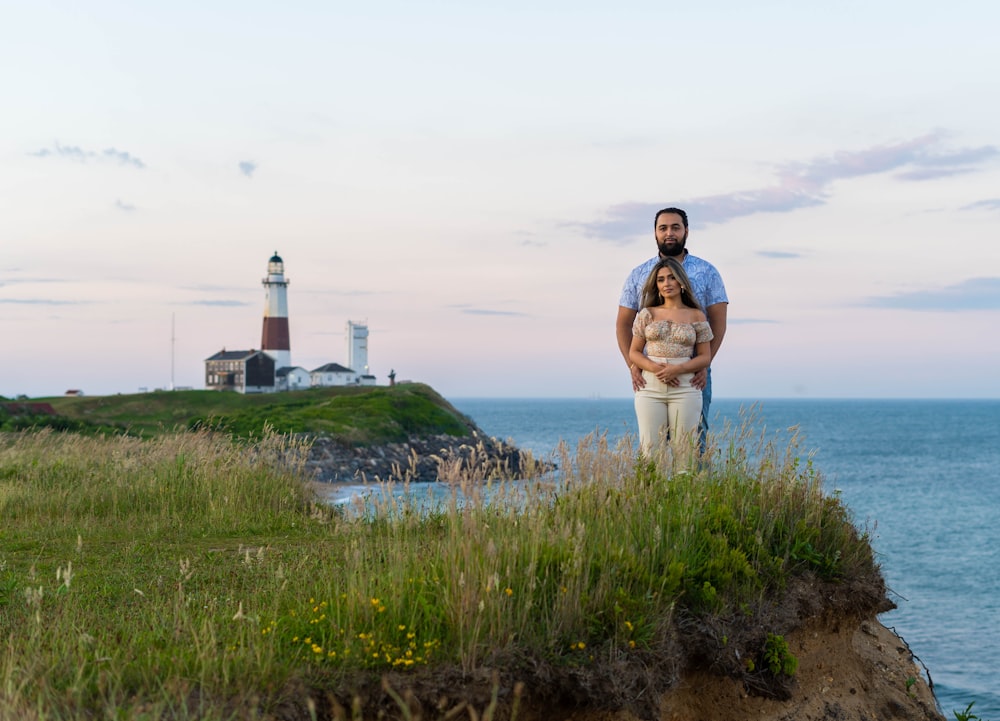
<point x="422" y="459"/>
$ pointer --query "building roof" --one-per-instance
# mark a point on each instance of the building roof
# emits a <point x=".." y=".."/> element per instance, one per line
<point x="233" y="354"/>
<point x="17" y="408"/>
<point x="285" y="370"/>
<point x="332" y="368"/>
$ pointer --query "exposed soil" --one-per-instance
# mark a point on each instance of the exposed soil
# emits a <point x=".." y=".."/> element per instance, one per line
<point x="860" y="671"/>
<point x="848" y="671"/>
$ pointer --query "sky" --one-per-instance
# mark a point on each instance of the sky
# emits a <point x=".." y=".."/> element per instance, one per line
<point x="475" y="181"/>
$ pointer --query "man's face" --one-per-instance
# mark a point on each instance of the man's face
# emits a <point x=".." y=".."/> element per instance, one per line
<point x="671" y="235"/>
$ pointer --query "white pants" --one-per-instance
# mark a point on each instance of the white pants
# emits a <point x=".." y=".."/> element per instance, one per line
<point x="661" y="409"/>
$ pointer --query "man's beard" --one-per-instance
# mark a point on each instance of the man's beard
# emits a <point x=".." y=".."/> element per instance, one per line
<point x="674" y="250"/>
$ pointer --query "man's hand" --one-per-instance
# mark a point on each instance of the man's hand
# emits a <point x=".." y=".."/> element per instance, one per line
<point x="638" y="382"/>
<point x="700" y="379"/>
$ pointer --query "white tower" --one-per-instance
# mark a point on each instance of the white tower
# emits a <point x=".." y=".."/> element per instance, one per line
<point x="357" y="347"/>
<point x="274" y="337"/>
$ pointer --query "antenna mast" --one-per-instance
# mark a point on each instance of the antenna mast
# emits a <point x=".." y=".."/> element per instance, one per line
<point x="173" y="339"/>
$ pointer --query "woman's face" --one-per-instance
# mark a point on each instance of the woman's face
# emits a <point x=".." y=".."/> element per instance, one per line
<point x="667" y="285"/>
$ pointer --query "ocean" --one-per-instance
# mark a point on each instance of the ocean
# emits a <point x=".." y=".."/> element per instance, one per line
<point x="923" y="476"/>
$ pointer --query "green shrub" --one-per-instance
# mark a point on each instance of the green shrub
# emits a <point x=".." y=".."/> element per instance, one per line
<point x="778" y="658"/>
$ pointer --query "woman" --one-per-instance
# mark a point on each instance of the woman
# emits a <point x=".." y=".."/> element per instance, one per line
<point x="670" y="342"/>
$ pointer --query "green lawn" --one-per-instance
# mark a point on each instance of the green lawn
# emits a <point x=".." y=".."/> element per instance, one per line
<point x="357" y="415"/>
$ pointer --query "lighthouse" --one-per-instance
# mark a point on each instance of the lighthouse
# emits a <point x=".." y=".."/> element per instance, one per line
<point x="274" y="338"/>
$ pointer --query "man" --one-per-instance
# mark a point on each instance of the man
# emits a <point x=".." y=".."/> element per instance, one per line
<point x="670" y="227"/>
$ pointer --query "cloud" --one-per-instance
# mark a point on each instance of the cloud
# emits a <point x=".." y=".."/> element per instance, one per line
<point x="80" y="155"/>
<point x="971" y="294"/>
<point x="66" y="151"/>
<point x="39" y="301"/>
<point x="749" y="321"/>
<point x="932" y="173"/>
<point x="122" y="158"/>
<point x="797" y="185"/>
<point x="945" y="165"/>
<point x="989" y="204"/>
<point x="247" y="167"/>
<point x="485" y="311"/>
<point x="468" y="309"/>
<point x="530" y="239"/>
<point x="127" y="207"/>
<point x="778" y="254"/>
<point x="13" y="280"/>
<point x="346" y="293"/>
<point x="219" y="303"/>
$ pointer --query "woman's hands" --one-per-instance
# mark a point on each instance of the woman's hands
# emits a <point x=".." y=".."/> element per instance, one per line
<point x="667" y="372"/>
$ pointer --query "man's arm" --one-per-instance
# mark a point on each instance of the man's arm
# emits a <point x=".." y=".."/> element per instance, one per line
<point x="623" y="331"/>
<point x="716" y="315"/>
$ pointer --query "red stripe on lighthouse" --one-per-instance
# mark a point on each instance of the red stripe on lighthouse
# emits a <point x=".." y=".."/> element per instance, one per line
<point x="275" y="334"/>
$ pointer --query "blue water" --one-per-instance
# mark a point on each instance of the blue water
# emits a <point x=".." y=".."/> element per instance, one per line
<point x="922" y="475"/>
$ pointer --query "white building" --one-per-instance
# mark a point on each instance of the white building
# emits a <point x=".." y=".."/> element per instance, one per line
<point x="333" y="374"/>
<point x="293" y="378"/>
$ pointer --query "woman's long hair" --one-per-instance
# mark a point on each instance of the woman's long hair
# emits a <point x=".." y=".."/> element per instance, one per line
<point x="651" y="296"/>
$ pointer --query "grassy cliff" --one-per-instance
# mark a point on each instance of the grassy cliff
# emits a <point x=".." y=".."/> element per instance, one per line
<point x="358" y="416"/>
<point x="182" y="577"/>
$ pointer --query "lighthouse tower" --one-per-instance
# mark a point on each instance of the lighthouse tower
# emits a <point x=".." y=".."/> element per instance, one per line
<point x="274" y="338"/>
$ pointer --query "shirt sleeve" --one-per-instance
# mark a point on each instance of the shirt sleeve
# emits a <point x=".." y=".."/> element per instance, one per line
<point x="632" y="290"/>
<point x="640" y="323"/>
<point x="703" y="332"/>
<point x="715" y="290"/>
<point x="630" y="294"/>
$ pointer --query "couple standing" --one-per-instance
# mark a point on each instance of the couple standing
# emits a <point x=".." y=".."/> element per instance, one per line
<point x="671" y="322"/>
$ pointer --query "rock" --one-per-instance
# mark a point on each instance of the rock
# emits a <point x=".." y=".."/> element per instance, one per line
<point x="421" y="458"/>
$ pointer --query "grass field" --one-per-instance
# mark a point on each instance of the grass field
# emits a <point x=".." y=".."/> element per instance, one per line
<point x="184" y="577"/>
<point x="355" y="415"/>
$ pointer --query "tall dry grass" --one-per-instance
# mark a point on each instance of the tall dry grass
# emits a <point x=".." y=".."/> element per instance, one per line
<point x="187" y="577"/>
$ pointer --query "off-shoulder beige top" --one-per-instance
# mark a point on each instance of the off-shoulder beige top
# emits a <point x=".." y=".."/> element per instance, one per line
<point x="668" y="338"/>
